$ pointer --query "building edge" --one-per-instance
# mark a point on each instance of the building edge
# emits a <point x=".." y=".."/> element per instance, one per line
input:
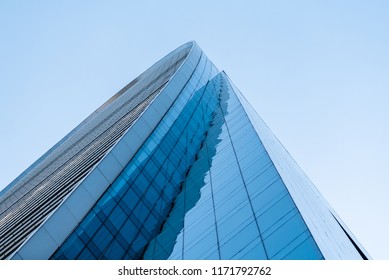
<point x="49" y="236"/>
<point x="306" y="196"/>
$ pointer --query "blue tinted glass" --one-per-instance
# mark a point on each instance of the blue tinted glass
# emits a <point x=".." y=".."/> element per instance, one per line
<point x="202" y="186"/>
<point x="129" y="231"/>
<point x="284" y="235"/>
<point x="250" y="170"/>
<point x="200" y="248"/>
<point x="241" y="239"/>
<point x="140" y="213"/>
<point x="276" y="212"/>
<point x="151" y="224"/>
<point x="159" y="156"/>
<point x="232" y="203"/>
<point x="118" y="217"/>
<point x="94" y="249"/>
<point x="151" y="194"/>
<point x="130" y="172"/>
<point x="160" y="180"/>
<point x="195" y="231"/>
<point x="91" y="225"/>
<point x="262" y="181"/>
<point x="114" y="251"/>
<point x="252" y="251"/>
<point x="71" y="252"/>
<point x="249" y="139"/>
<point x="212" y="255"/>
<point x="102" y="237"/>
<point x="266" y="197"/>
<point x="82" y="236"/>
<point x="150" y="169"/>
<point x="233" y="221"/>
<point x="228" y="189"/>
<point x="86" y="255"/>
<point x="167" y="238"/>
<point x="252" y="156"/>
<point x="130" y="200"/>
<point x="138" y="244"/>
<point x="118" y="188"/>
<point x="106" y="204"/>
<point x="307" y="250"/>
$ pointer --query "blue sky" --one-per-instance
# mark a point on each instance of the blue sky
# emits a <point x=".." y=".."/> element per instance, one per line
<point x="315" y="71"/>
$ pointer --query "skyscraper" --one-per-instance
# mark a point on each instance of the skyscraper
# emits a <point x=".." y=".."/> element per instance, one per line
<point x="176" y="165"/>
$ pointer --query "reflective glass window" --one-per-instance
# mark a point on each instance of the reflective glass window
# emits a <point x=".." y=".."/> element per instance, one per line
<point x="241" y="239"/>
<point x="284" y="235"/>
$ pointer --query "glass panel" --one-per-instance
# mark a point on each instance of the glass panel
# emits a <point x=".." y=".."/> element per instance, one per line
<point x="129" y="231"/>
<point x="73" y="247"/>
<point x="138" y="244"/>
<point x="253" y="251"/>
<point x="102" y="237"/>
<point x="253" y="168"/>
<point x="262" y="181"/>
<point x="202" y="246"/>
<point x="130" y="200"/>
<point x="276" y="212"/>
<point x="307" y="250"/>
<point x="267" y="196"/>
<point x="196" y="229"/>
<point x="118" y="217"/>
<point x="115" y="251"/>
<point x="284" y="235"/>
<point x="230" y="222"/>
<point x="91" y="224"/>
<point x="86" y="255"/>
<point x="240" y="240"/>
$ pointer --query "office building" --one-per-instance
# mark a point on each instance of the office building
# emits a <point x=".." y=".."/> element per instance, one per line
<point x="176" y="165"/>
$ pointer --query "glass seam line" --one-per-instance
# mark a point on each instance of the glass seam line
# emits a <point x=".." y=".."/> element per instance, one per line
<point x="190" y="96"/>
<point x="277" y="172"/>
<point x="194" y="91"/>
<point x="241" y="175"/>
<point x="212" y="195"/>
<point x="198" y="104"/>
<point x="271" y="158"/>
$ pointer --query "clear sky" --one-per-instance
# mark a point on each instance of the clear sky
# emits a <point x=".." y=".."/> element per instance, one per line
<point x="317" y="72"/>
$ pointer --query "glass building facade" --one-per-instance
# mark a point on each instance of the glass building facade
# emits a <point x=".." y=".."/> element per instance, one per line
<point x="177" y="165"/>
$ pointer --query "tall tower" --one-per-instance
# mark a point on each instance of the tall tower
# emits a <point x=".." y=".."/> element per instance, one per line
<point x="176" y="165"/>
